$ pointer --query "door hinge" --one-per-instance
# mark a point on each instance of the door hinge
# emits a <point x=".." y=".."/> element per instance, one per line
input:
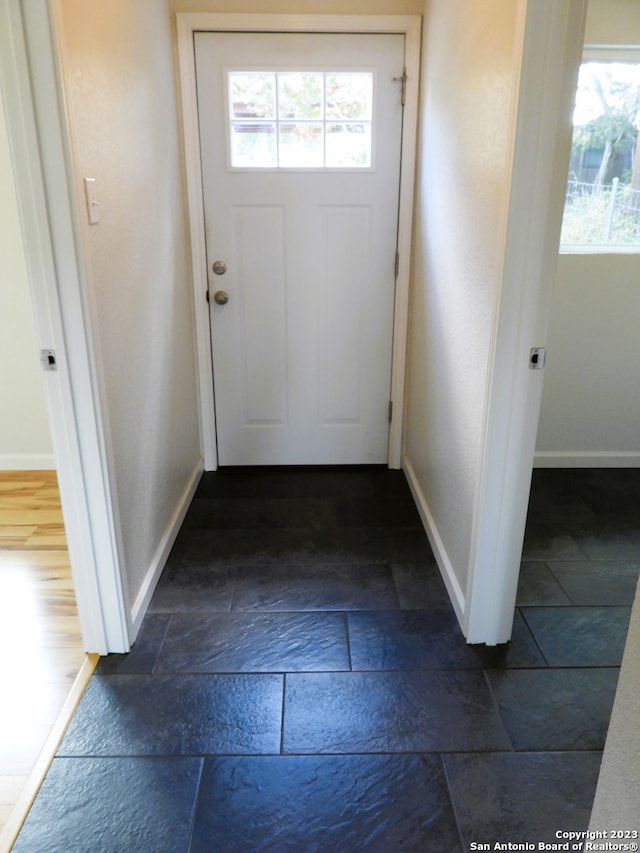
<point x="390" y="410"/>
<point x="403" y="80"/>
<point x="397" y="267"/>
<point x="404" y="86"/>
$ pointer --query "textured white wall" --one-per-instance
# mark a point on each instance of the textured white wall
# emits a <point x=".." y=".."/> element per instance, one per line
<point x="470" y="68"/>
<point x="591" y="401"/>
<point x="25" y="439"/>
<point x="120" y="87"/>
<point x="613" y="22"/>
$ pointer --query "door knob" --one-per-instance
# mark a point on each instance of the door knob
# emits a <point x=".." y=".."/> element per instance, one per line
<point x="219" y="267"/>
<point x="220" y="297"/>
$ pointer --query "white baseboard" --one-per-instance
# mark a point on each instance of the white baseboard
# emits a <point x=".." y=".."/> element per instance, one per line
<point x="442" y="558"/>
<point x="154" y="571"/>
<point x="27" y="462"/>
<point x="589" y="459"/>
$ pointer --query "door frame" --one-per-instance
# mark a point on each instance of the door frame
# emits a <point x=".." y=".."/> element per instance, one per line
<point x="552" y="42"/>
<point x="31" y="89"/>
<point x="189" y="23"/>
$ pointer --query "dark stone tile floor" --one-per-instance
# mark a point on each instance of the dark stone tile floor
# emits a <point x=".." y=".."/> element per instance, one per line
<point x="301" y="683"/>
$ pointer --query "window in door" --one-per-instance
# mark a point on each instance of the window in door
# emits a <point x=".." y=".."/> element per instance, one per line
<point x="300" y="119"/>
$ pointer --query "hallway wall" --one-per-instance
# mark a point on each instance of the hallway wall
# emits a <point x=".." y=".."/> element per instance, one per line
<point x="613" y="22"/>
<point x="591" y="397"/>
<point x="25" y="438"/>
<point x="118" y="75"/>
<point x="470" y="74"/>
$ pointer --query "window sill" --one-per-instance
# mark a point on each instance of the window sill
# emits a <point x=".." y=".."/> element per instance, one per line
<point x="599" y="249"/>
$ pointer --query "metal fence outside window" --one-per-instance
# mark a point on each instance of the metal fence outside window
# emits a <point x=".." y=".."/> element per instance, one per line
<point x="605" y="214"/>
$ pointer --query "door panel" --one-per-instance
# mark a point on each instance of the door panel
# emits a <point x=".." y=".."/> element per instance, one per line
<point x="260" y="285"/>
<point x="302" y="349"/>
<point x="347" y="242"/>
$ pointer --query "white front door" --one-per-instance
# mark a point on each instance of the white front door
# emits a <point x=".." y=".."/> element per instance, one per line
<point x="300" y="137"/>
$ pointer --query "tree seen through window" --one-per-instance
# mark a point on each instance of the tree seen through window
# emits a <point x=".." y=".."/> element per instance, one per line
<point x="603" y="190"/>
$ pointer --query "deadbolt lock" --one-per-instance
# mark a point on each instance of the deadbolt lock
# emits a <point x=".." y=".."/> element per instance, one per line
<point x="219" y="267"/>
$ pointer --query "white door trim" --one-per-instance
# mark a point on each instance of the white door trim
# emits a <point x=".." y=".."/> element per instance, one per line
<point x="408" y="25"/>
<point x="552" y="36"/>
<point x="30" y="86"/>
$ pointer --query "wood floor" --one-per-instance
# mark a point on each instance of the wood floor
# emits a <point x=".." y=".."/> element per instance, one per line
<point x="43" y="668"/>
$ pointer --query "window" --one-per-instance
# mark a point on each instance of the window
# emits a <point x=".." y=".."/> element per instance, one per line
<point x="603" y="190"/>
<point x="300" y="119"/>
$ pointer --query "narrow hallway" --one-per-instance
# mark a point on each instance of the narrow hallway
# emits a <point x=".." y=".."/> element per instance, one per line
<point x="300" y="681"/>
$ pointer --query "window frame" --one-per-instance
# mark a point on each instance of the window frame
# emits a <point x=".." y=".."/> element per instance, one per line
<point x="315" y="69"/>
<point x="603" y="53"/>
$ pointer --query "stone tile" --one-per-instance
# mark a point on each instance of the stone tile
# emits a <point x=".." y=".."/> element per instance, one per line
<point x="612" y="543"/>
<point x="579" y="636"/>
<point x="191" y="582"/>
<point x="293" y="482"/>
<point x="258" y="513"/>
<point x="368" y="712"/>
<point x="420" y="585"/>
<point x="316" y="587"/>
<point x="261" y="552"/>
<point x="612" y="493"/>
<point x="549" y="542"/>
<point x="113" y="804"/>
<point x="144" y="653"/>
<point x="215" y="551"/>
<point x="432" y="639"/>
<point x="521" y="797"/>
<point x="365" y="545"/>
<point x="520" y="651"/>
<point x="599" y="583"/>
<point x="409" y="640"/>
<point x="386" y="481"/>
<point x="255" y="642"/>
<point x="395" y="510"/>
<point x="325" y="803"/>
<point x="176" y="715"/>
<point x="564" y="508"/>
<point x="538" y="586"/>
<point x="556" y="709"/>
